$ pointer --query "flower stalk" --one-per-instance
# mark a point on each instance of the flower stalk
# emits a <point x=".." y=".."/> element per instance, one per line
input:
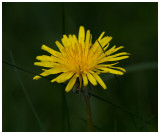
<point x="88" y="108"/>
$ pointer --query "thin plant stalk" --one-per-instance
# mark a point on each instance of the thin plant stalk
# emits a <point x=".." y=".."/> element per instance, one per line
<point x="89" y="113"/>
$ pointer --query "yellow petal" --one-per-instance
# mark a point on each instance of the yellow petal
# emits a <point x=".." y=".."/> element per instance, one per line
<point x="59" y="45"/>
<point x="107" y="65"/>
<point x="110" y="58"/>
<point x="44" y="58"/>
<point x="36" y="77"/>
<point x="48" y="72"/>
<point x="65" y="41"/>
<point x="75" y="38"/>
<point x="55" y="70"/>
<point x="63" y="77"/>
<point x="120" y="54"/>
<point x="87" y="36"/>
<point x="110" y="50"/>
<point x="118" y="48"/>
<point x="71" y="83"/>
<point x="118" y="58"/>
<point x="100" y="37"/>
<point x="85" y="80"/>
<point x="91" y="79"/>
<point x="94" y="49"/>
<point x="81" y="35"/>
<point x="100" y="81"/>
<point x="122" y="69"/>
<point x="51" y="51"/>
<point x="112" y="71"/>
<point x="45" y="64"/>
<point x="71" y="40"/>
<point x="105" y="40"/>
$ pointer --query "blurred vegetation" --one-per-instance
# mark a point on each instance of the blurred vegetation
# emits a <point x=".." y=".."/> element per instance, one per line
<point x="131" y="101"/>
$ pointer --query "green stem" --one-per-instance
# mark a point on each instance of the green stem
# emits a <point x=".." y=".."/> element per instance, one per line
<point x="89" y="113"/>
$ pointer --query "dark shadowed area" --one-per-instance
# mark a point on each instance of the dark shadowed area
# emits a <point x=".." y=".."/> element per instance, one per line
<point x="130" y="103"/>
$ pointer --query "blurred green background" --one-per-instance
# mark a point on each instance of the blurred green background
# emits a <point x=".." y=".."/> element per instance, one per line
<point x="26" y="26"/>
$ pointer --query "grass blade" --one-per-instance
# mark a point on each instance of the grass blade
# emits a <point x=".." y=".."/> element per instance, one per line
<point x="26" y="95"/>
<point x="120" y="107"/>
<point x="23" y="69"/>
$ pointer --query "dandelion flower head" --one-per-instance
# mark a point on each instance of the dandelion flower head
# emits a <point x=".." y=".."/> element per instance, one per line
<point x="78" y="59"/>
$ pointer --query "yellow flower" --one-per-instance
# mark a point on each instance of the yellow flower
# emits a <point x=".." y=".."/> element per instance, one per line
<point x="82" y="59"/>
